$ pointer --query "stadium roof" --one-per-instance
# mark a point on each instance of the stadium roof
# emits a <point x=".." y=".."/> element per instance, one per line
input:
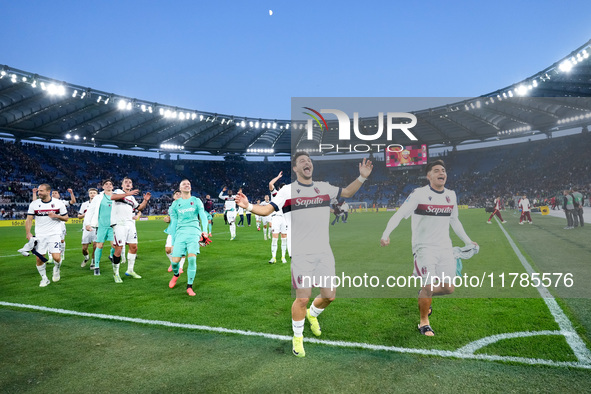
<point x="38" y="107"/>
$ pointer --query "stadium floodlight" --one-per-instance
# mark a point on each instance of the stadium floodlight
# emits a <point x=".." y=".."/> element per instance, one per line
<point x="585" y="54"/>
<point x="13" y="78"/>
<point x="68" y="136"/>
<point x="161" y="111"/>
<point x="274" y="125"/>
<point x="128" y="106"/>
<point x="107" y="100"/>
<point x="24" y="79"/>
<point x="200" y="117"/>
<point x="565" y="66"/>
<point x="122" y="104"/>
<point x="521" y="90"/>
<point x="193" y="116"/>
<point x="534" y="83"/>
<point x="243" y="124"/>
<point x="256" y="124"/>
<point x="83" y="95"/>
<point x="143" y="107"/>
<point x="98" y="100"/>
<point x="287" y="126"/>
<point x="34" y="83"/>
<point x="510" y="93"/>
<point x="2" y="74"/>
<point x="75" y="93"/>
<point x="76" y="137"/>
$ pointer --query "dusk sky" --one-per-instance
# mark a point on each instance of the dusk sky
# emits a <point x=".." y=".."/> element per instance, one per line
<point x="235" y="58"/>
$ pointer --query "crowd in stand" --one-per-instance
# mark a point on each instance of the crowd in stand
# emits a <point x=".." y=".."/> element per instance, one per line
<point x="540" y="169"/>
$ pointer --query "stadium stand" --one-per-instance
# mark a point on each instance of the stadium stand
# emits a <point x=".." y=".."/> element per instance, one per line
<point x="541" y="169"/>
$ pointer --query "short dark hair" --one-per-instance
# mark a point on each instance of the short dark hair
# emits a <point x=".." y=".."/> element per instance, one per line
<point x="433" y="164"/>
<point x="92" y="188"/>
<point x="105" y="181"/>
<point x="176" y="191"/>
<point x="295" y="157"/>
<point x="46" y="185"/>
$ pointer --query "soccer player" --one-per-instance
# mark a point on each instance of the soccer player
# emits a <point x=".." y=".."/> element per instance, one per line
<point x="257" y="218"/>
<point x="56" y="195"/>
<point x="168" y="247"/>
<point x="208" y="206"/>
<point x="229" y="210"/>
<point x="309" y="204"/>
<point x="49" y="213"/>
<point x="88" y="237"/>
<point x="99" y="218"/>
<point x="124" y="231"/>
<point x="186" y="213"/>
<point x="525" y="207"/>
<point x="433" y="208"/>
<point x="266" y="220"/>
<point x="497" y="211"/>
<point x="278" y="225"/>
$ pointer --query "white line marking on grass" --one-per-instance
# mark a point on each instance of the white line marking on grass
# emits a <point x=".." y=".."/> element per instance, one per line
<point x="566" y="328"/>
<point x="423" y="352"/>
<point x="472" y="347"/>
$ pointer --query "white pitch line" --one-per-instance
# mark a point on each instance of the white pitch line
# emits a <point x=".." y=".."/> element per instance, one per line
<point x="572" y="338"/>
<point x="423" y="352"/>
<point x="472" y="347"/>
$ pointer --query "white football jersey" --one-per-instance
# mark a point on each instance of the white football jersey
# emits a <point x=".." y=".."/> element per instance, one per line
<point x="122" y="210"/>
<point x="432" y="214"/>
<point x="83" y="209"/>
<point x="524" y="204"/>
<point x="44" y="225"/>
<point x="230" y="204"/>
<point x="306" y="209"/>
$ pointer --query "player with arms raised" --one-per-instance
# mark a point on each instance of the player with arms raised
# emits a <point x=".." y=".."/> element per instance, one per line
<point x="433" y="208"/>
<point x="306" y="206"/>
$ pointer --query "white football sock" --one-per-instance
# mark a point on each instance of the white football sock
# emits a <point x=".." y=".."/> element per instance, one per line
<point x="298" y="327"/>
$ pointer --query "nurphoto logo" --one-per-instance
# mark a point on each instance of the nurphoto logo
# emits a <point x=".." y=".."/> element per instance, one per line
<point x="395" y="121"/>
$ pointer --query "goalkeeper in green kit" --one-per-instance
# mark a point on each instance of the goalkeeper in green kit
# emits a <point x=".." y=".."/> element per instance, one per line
<point x="187" y="233"/>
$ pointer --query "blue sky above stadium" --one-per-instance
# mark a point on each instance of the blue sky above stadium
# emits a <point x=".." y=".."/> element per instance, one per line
<point x="235" y="58"/>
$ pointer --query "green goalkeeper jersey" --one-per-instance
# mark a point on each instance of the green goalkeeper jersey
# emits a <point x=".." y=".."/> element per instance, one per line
<point x="185" y="215"/>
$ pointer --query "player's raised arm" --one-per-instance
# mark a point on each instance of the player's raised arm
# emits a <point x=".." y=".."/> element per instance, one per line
<point x="144" y="203"/>
<point x="264" y="210"/>
<point x="272" y="182"/>
<point x="365" y="168"/>
<point x="72" y="196"/>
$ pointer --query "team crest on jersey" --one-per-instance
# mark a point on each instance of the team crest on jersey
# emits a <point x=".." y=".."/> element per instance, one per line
<point x="316" y="190"/>
<point x="191" y="202"/>
<point x="430" y="198"/>
<point x="299" y="279"/>
<point x="424" y="270"/>
<point x="298" y="191"/>
<point x="53" y="206"/>
<point x="447" y="199"/>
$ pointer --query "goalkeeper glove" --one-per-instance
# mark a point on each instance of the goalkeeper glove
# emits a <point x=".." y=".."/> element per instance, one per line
<point x="204" y="240"/>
